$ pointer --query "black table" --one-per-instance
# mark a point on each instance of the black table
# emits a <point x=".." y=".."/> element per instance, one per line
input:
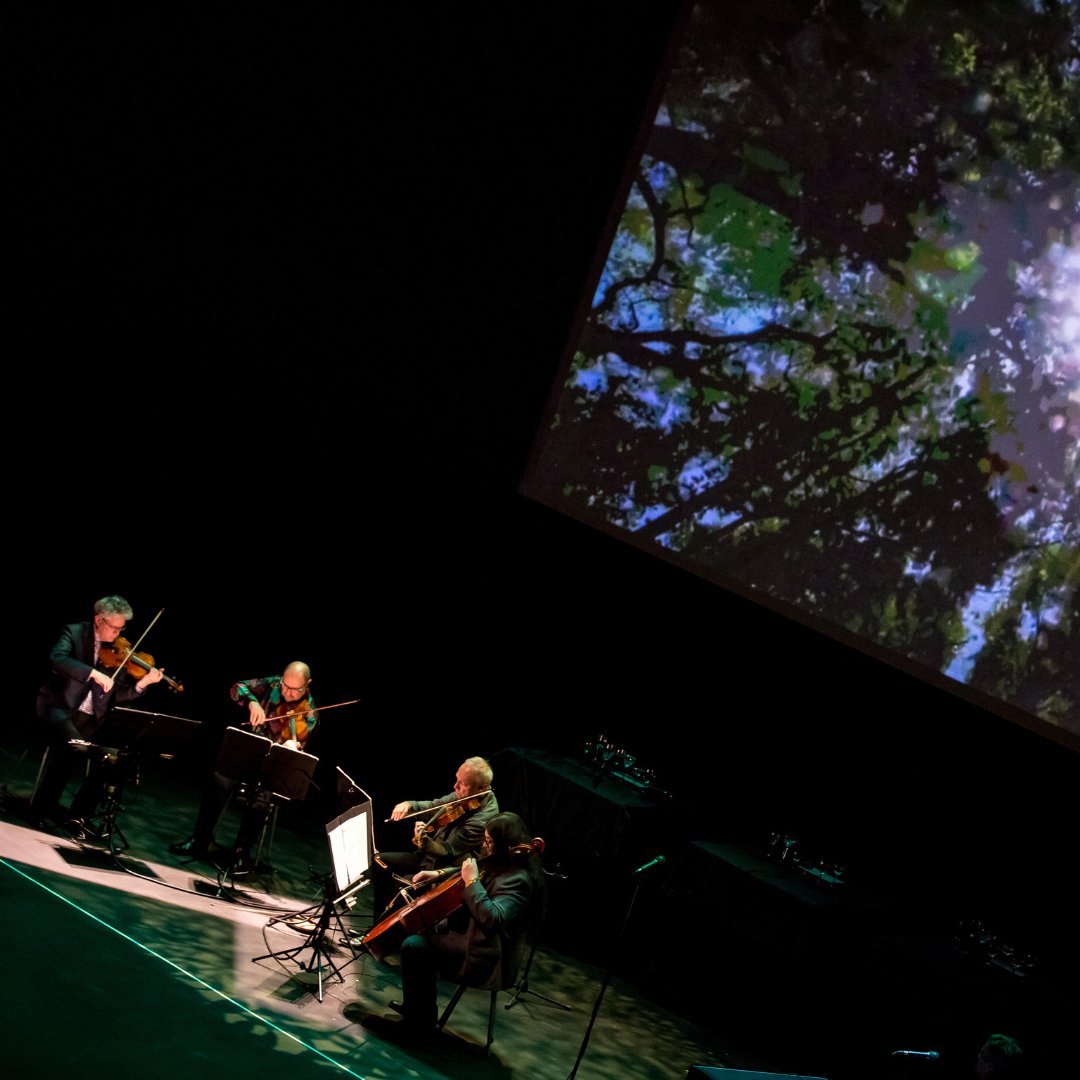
<point x="592" y="824"/>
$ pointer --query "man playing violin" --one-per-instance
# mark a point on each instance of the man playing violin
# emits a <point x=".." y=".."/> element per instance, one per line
<point x="481" y="943"/>
<point x="73" y="703"/>
<point x="446" y="831"/>
<point x="279" y="707"/>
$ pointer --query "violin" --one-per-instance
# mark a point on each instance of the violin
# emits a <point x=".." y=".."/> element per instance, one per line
<point x="421" y="913"/>
<point x="113" y="655"/>
<point x="450" y="812"/>
<point x="283" y="725"/>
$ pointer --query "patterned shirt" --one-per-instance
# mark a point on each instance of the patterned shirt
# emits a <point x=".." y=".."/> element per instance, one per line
<point x="267" y="692"/>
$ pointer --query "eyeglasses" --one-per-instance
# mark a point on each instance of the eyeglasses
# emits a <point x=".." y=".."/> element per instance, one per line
<point x="294" y="689"/>
<point x="106" y="622"/>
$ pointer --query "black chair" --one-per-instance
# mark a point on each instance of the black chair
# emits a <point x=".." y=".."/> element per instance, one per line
<point x="506" y="980"/>
<point x="512" y="975"/>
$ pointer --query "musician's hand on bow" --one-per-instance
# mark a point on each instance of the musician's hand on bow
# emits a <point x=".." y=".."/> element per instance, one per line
<point x="425" y="875"/>
<point x="103" y="680"/>
<point x="256" y="714"/>
<point x="469" y="871"/>
<point x="400" y="811"/>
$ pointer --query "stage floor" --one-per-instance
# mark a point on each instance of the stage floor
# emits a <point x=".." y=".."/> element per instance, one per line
<point x="142" y="964"/>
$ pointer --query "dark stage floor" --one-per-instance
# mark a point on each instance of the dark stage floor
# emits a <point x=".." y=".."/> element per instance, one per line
<point x="138" y="967"/>
<point x="142" y="964"/>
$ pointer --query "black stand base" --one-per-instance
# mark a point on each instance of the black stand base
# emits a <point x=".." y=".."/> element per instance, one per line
<point x="523" y="988"/>
<point x="315" y="945"/>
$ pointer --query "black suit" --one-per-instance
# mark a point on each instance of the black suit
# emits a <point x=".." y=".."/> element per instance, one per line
<point x="64" y="690"/>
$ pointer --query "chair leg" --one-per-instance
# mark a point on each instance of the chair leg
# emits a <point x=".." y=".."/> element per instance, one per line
<point x="491" y="1014"/>
<point x="272" y="823"/>
<point x="40" y="773"/>
<point x="450" y="1008"/>
<point x="491" y="1021"/>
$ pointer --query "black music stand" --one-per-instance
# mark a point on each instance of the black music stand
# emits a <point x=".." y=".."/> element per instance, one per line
<point x="138" y="735"/>
<point x="260" y="765"/>
<point x="351" y="840"/>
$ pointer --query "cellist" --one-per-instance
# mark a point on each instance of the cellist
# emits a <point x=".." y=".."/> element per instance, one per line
<point x="481" y="943"/>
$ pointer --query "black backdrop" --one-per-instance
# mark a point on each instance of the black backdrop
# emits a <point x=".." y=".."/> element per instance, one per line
<point x="289" y="298"/>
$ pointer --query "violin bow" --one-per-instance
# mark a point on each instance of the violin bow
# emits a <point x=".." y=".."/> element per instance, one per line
<point x="132" y="649"/>
<point x="442" y="806"/>
<point x="318" y="709"/>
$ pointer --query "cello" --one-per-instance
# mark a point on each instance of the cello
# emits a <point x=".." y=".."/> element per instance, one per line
<point x="428" y="909"/>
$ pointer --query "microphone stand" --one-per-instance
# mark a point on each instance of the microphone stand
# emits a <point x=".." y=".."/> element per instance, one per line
<point x="607" y="975"/>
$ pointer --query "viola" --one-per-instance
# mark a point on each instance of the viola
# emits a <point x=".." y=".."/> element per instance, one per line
<point x="119" y="653"/>
<point x="450" y="812"/>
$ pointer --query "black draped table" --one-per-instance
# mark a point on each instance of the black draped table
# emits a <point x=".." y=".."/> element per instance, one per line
<point x="775" y="902"/>
<point x="593" y="824"/>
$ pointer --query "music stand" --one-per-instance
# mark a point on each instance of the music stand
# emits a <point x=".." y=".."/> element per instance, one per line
<point x="260" y="765"/>
<point x="159" y="734"/>
<point x="351" y="840"/>
<point x="349" y="792"/>
<point x="137" y="733"/>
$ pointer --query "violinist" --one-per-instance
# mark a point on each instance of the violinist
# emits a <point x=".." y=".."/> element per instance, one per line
<point x="481" y="943"/>
<point x="446" y="830"/>
<point x="279" y="707"/>
<point x="73" y="703"/>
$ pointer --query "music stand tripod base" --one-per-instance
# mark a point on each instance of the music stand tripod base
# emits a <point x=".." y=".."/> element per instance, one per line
<point x="311" y="971"/>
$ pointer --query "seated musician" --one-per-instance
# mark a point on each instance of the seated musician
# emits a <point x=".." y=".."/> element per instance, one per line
<point x="281" y="708"/>
<point x="73" y="704"/>
<point x="481" y="943"/>
<point x="446" y="830"/>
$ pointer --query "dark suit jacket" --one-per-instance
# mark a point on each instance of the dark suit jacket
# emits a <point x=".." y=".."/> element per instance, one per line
<point x="464" y="836"/>
<point x="72" y="660"/>
<point x="500" y="912"/>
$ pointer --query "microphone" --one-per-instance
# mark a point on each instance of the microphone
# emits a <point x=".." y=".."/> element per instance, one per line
<point x="926" y="1055"/>
<point x="650" y="864"/>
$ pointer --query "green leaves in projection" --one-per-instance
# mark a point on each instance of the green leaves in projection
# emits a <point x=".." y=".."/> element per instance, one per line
<point x="828" y="355"/>
<point x="754" y="243"/>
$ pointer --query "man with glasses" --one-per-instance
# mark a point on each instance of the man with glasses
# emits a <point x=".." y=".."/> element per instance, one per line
<point x="280" y="708"/>
<point x="481" y="943"/>
<point x="73" y="703"/>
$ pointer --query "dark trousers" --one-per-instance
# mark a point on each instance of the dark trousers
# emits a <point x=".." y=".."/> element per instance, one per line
<point x="215" y="796"/>
<point x="425" y="958"/>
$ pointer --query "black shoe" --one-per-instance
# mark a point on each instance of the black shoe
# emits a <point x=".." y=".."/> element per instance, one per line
<point x="242" y="865"/>
<point x="190" y="848"/>
<point x="80" y="829"/>
<point x="390" y="1027"/>
<point x="411" y="1024"/>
